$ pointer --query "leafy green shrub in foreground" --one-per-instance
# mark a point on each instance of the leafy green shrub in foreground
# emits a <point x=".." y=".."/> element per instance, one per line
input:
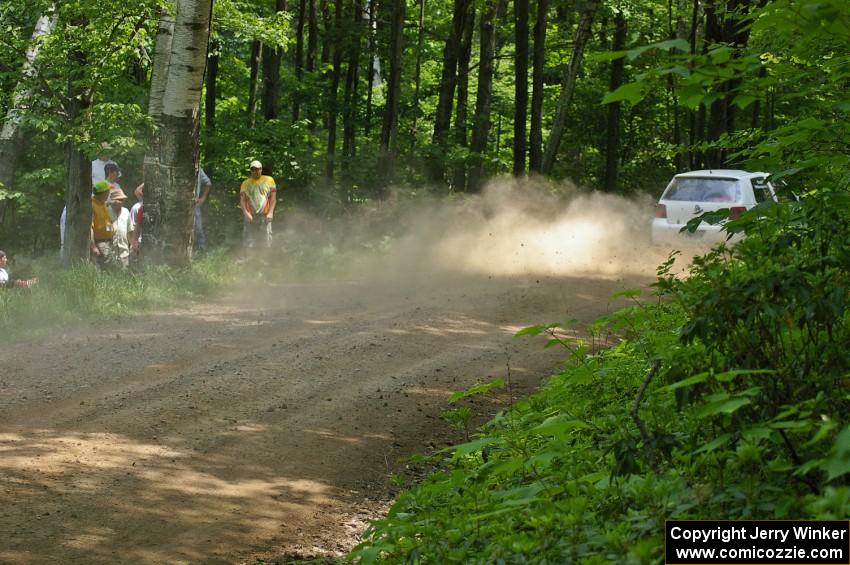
<point x="726" y="399"/>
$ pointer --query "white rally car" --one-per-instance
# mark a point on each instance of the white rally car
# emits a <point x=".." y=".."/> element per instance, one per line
<point x="691" y="194"/>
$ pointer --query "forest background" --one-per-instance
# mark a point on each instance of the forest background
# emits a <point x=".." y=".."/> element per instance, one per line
<point x="344" y="99"/>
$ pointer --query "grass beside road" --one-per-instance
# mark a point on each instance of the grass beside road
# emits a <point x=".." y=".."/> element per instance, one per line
<point x="84" y="293"/>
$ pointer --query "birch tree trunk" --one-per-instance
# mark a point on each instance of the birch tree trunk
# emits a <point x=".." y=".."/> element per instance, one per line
<point x="159" y="78"/>
<point x="10" y="135"/>
<point x="568" y="85"/>
<point x="169" y="210"/>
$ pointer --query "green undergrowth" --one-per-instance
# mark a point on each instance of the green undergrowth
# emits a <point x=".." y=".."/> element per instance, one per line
<point x="85" y="293"/>
<point x="725" y="397"/>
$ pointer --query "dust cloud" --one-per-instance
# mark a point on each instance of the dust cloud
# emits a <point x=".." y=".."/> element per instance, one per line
<point x="511" y="228"/>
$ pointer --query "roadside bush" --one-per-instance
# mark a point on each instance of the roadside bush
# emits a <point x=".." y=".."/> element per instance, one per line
<point x="726" y="398"/>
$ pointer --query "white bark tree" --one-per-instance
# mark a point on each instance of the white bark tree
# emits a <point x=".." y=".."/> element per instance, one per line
<point x="169" y="195"/>
<point x="159" y="76"/>
<point x="10" y="135"/>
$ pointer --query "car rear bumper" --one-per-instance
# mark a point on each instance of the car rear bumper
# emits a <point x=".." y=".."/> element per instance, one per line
<point x="666" y="233"/>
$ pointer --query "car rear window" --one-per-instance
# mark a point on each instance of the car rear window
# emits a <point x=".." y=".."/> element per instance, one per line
<point x="693" y="189"/>
<point x="761" y="190"/>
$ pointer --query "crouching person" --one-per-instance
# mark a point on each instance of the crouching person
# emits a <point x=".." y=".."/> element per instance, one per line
<point x="6" y="281"/>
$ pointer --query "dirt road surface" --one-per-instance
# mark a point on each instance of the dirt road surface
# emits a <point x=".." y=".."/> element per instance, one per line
<point x="254" y="428"/>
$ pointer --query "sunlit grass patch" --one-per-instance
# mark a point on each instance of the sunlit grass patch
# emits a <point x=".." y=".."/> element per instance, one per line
<point x="84" y="292"/>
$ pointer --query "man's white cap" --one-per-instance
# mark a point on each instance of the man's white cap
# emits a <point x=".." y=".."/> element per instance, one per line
<point x="256" y="165"/>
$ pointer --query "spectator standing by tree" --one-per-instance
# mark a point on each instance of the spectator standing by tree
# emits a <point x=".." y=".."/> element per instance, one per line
<point x="97" y="165"/>
<point x="101" y="225"/>
<point x="257" y="197"/>
<point x="202" y="192"/>
<point x="137" y="214"/>
<point x="113" y="173"/>
<point x="123" y="230"/>
<point x="102" y="168"/>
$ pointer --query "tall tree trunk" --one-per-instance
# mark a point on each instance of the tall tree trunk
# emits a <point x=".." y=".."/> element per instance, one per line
<point x="393" y="89"/>
<point x="169" y="210"/>
<point x="349" y="133"/>
<point x="299" y="61"/>
<point x="77" y="171"/>
<point x="154" y="184"/>
<point x="312" y="36"/>
<point x="463" y="95"/>
<point x="254" y="64"/>
<point x="520" y="85"/>
<point x="417" y="80"/>
<point x="10" y="135"/>
<point x="310" y="60"/>
<point x="483" y="96"/>
<point x="325" y="57"/>
<point x="694" y="157"/>
<point x="326" y="28"/>
<point x="488" y="47"/>
<point x="717" y="114"/>
<point x="370" y="74"/>
<point x="448" y="82"/>
<point x="212" y="84"/>
<point x="678" y="136"/>
<point x="333" y="89"/>
<point x="568" y="86"/>
<point x="271" y="74"/>
<point x="725" y="24"/>
<point x="612" y="153"/>
<point x="535" y="153"/>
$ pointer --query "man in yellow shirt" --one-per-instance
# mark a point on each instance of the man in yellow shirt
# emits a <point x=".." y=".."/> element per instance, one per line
<point x="257" y="198"/>
<point x="101" y="225"/>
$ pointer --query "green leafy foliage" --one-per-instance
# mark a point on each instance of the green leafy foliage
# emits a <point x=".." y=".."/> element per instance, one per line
<point x="726" y="399"/>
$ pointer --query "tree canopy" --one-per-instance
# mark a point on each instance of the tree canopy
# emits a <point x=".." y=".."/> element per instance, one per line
<point x="429" y="95"/>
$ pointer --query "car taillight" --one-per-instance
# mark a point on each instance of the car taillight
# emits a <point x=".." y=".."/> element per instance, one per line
<point x="736" y="211"/>
<point x="661" y="211"/>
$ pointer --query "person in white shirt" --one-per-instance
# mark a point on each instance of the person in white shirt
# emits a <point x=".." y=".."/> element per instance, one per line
<point x="97" y="165"/>
<point x="123" y="229"/>
<point x="6" y="281"/>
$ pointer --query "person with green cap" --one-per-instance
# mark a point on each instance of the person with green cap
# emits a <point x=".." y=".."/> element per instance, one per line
<point x="101" y="225"/>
